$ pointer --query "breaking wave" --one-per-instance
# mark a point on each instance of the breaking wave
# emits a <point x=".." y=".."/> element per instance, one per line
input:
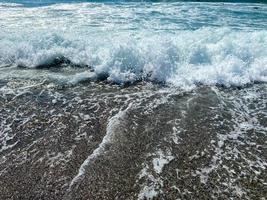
<point x="205" y="56"/>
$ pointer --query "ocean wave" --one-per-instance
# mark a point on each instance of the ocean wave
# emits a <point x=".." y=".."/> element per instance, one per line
<point x="205" y="56"/>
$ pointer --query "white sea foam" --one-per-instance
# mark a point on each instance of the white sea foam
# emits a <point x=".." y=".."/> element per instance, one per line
<point x="238" y="144"/>
<point x="150" y="189"/>
<point x="160" y="161"/>
<point x="113" y="125"/>
<point x="159" y="42"/>
<point x="188" y="58"/>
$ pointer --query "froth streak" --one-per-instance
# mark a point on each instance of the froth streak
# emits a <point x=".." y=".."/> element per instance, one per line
<point x="113" y="125"/>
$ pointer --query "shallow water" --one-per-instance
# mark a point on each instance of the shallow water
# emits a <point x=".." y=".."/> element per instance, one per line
<point x="133" y="100"/>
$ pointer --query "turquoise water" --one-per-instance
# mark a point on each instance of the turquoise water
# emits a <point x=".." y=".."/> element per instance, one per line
<point x="47" y="2"/>
<point x="178" y="43"/>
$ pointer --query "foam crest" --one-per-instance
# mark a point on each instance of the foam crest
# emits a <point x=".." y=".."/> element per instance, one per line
<point x="205" y="56"/>
<point x="178" y="44"/>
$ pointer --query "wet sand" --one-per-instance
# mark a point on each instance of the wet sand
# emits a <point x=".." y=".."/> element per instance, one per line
<point x="100" y="141"/>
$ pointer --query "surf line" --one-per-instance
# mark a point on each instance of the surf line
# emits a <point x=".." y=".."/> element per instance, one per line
<point x="112" y="125"/>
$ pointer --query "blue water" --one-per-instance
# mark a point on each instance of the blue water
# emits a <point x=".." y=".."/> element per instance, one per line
<point x="179" y="43"/>
<point x="49" y="2"/>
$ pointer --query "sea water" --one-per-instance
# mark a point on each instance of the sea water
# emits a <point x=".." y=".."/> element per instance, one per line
<point x="178" y="43"/>
<point x="133" y="99"/>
